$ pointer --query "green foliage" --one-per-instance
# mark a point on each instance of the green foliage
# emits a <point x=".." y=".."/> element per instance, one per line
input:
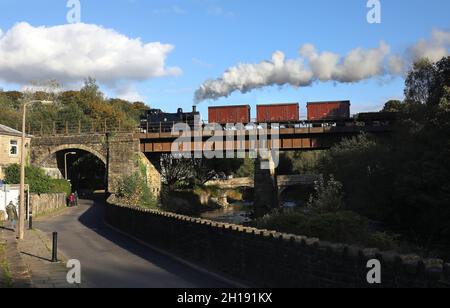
<point x="300" y="162"/>
<point x="384" y="241"/>
<point x="341" y="226"/>
<point x="362" y="166"/>
<point x="84" y="106"/>
<point x="247" y="169"/>
<point x="133" y="190"/>
<point x="328" y="196"/>
<point x="39" y="182"/>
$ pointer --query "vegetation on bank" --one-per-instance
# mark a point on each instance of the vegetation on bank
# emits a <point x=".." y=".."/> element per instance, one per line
<point x="39" y="182"/>
<point x="5" y="275"/>
<point x="327" y="218"/>
<point x="133" y="190"/>
<point x="85" y="106"/>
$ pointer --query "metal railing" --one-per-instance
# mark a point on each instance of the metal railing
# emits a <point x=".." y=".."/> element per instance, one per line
<point x="67" y="128"/>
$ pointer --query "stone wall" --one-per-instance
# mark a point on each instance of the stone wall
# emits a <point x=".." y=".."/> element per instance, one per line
<point x="6" y="158"/>
<point x="270" y="259"/>
<point x="47" y="203"/>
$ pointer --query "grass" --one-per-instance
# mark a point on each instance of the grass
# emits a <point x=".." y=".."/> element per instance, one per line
<point x="5" y="275"/>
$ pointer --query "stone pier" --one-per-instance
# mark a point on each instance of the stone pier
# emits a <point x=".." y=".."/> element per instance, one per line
<point x="266" y="186"/>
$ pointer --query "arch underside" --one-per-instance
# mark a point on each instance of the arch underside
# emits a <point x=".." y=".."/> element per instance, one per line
<point x="41" y="160"/>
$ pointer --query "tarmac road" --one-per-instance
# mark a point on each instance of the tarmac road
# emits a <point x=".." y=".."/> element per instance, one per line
<point x="111" y="260"/>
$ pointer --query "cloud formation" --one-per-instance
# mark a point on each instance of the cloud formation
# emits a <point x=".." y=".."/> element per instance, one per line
<point x="72" y="52"/>
<point x="311" y="66"/>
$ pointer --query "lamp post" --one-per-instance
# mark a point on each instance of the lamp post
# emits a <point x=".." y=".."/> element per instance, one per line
<point x="22" y="167"/>
<point x="65" y="163"/>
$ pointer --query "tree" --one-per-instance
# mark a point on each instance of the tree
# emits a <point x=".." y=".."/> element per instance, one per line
<point x="362" y="165"/>
<point x="175" y="171"/>
<point x="393" y="106"/>
<point x="419" y="82"/>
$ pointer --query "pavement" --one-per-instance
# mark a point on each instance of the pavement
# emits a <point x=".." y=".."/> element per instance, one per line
<point x="14" y="272"/>
<point x="108" y="258"/>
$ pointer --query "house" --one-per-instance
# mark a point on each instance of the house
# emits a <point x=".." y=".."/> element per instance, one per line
<point x="10" y="147"/>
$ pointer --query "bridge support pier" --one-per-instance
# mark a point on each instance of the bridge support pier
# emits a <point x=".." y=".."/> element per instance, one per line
<point x="266" y="186"/>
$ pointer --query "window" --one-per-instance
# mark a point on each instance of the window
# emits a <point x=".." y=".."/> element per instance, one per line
<point x="13" y="149"/>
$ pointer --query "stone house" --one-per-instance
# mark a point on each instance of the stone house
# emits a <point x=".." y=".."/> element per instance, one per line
<point x="10" y="147"/>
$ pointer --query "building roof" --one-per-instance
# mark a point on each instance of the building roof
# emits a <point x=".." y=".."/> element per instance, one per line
<point x="8" y="131"/>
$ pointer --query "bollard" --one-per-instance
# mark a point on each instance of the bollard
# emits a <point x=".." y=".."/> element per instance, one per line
<point x="55" y="247"/>
<point x="30" y="222"/>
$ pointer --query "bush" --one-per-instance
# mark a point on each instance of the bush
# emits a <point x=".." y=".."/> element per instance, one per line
<point x="339" y="227"/>
<point x="133" y="190"/>
<point x="39" y="182"/>
<point x="383" y="241"/>
<point x="287" y="222"/>
<point x="328" y="196"/>
<point x="61" y="186"/>
<point x="342" y="227"/>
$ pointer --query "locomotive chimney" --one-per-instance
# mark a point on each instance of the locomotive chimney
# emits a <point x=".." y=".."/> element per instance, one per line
<point x="194" y="109"/>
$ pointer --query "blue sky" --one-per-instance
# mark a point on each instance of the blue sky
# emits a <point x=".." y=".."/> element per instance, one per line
<point x="210" y="36"/>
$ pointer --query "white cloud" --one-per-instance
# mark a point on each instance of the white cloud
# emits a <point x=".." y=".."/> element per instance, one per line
<point x="435" y="48"/>
<point x="72" y="52"/>
<point x="129" y="93"/>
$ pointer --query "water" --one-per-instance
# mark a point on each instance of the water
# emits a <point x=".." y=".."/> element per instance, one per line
<point x="236" y="213"/>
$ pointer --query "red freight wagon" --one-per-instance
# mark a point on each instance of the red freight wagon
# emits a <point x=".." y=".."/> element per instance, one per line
<point x="322" y="111"/>
<point x="281" y="113"/>
<point x="229" y="114"/>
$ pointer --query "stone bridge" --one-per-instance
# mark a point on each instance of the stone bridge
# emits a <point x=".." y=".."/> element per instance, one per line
<point x="120" y="152"/>
<point x="283" y="181"/>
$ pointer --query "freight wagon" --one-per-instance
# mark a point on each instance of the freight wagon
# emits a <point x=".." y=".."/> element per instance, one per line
<point x="229" y="114"/>
<point x="328" y="111"/>
<point x="281" y="113"/>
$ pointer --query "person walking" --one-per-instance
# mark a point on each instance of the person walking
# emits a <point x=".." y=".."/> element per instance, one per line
<point x="72" y="200"/>
<point x="76" y="198"/>
<point x="12" y="215"/>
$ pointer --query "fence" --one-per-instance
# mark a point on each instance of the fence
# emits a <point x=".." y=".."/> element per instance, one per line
<point x="56" y="128"/>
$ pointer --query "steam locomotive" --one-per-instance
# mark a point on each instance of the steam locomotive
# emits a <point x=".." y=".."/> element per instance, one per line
<point x="155" y="120"/>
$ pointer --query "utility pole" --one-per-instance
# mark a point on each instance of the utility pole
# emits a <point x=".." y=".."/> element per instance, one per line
<point x="22" y="214"/>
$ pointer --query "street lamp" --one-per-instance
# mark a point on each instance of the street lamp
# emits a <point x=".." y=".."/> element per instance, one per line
<point x="65" y="163"/>
<point x="22" y="166"/>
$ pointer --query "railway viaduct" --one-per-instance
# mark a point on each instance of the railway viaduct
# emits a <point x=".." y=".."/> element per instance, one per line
<point x="123" y="153"/>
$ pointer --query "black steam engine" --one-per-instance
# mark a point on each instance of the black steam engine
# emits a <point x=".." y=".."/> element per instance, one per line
<point x="155" y="120"/>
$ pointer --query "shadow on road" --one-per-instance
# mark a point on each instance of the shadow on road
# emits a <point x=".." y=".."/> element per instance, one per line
<point x="93" y="218"/>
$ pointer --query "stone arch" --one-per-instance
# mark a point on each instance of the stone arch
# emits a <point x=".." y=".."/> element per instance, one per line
<point x="40" y="160"/>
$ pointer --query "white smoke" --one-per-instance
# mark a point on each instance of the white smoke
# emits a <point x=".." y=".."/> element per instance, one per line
<point x="311" y="66"/>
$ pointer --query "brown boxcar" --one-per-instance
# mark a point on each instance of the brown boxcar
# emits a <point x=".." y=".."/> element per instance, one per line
<point x="322" y="111"/>
<point x="229" y="114"/>
<point x="280" y="113"/>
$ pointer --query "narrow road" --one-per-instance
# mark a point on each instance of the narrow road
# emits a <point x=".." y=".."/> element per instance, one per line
<point x="111" y="260"/>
